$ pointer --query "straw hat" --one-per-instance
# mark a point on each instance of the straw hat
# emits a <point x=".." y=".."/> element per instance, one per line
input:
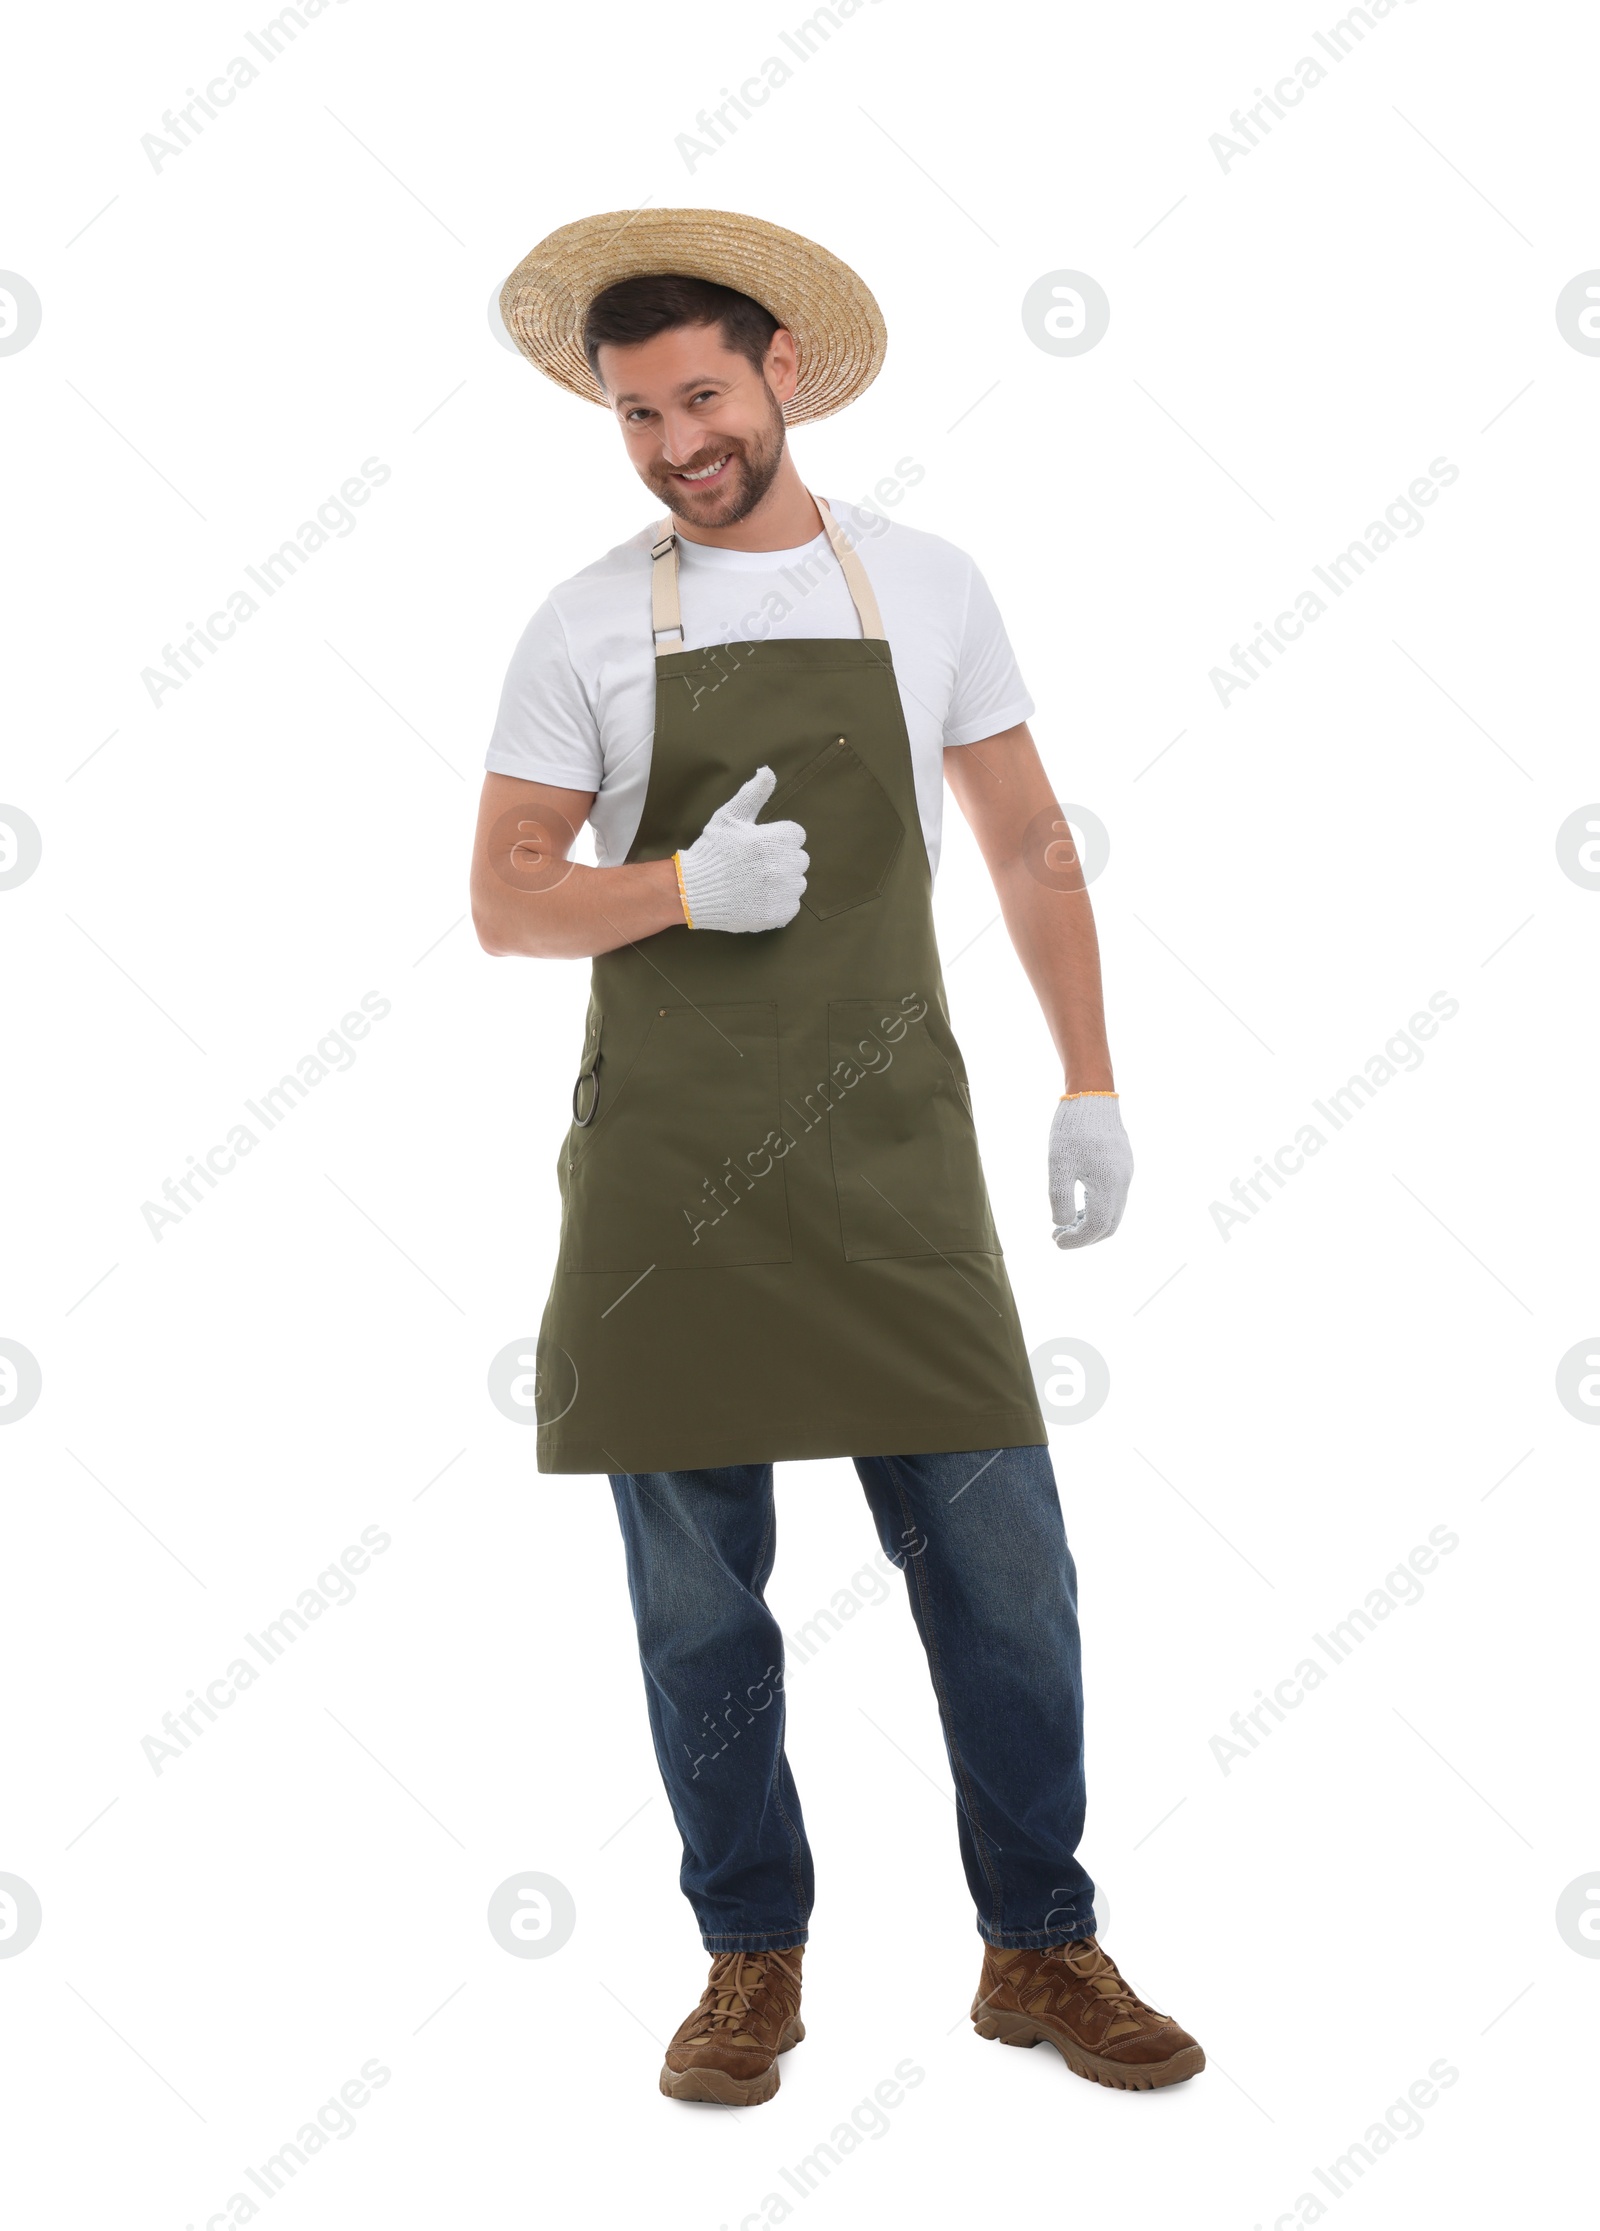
<point x="830" y="312"/>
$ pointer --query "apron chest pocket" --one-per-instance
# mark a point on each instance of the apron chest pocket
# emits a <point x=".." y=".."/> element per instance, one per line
<point x="853" y="832"/>
<point x="677" y="1169"/>
<point x="905" y="1153"/>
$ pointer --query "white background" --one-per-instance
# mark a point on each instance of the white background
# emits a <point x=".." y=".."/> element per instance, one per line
<point x="223" y="342"/>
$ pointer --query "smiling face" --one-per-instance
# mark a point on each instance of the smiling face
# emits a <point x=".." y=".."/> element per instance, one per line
<point x="703" y="425"/>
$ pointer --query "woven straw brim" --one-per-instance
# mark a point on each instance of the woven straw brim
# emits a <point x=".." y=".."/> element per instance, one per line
<point x="830" y="312"/>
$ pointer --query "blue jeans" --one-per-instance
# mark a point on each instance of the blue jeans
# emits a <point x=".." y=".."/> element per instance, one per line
<point x="980" y="1539"/>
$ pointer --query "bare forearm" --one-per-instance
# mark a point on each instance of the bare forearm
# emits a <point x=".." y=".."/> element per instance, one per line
<point x="1054" y="935"/>
<point x="1027" y="847"/>
<point x="566" y="911"/>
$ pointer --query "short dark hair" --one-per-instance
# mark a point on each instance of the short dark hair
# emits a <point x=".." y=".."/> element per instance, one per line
<point x="638" y="309"/>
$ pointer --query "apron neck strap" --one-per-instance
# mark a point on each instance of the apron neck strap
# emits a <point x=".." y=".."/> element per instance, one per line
<point x="666" y="611"/>
<point x="855" y="575"/>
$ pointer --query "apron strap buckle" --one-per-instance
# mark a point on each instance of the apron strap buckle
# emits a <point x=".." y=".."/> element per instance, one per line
<point x="666" y="616"/>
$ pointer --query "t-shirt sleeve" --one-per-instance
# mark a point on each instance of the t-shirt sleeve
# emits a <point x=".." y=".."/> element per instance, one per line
<point x="988" y="695"/>
<point x="546" y="730"/>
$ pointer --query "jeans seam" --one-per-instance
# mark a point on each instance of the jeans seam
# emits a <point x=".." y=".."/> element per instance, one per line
<point x="936" y="1674"/>
<point x="763" y="1564"/>
<point x="754" y="1940"/>
<point x="795" y="1890"/>
<point x="796" y="1844"/>
<point x="1032" y="1940"/>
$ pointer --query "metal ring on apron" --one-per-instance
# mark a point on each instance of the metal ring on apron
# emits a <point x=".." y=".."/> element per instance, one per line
<point x="591" y="1077"/>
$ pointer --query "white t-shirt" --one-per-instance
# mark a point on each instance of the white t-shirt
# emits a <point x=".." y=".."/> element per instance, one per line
<point x="578" y="706"/>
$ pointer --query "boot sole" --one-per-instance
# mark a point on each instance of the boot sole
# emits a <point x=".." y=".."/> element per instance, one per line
<point x="1121" y="2076"/>
<point x="715" y="2087"/>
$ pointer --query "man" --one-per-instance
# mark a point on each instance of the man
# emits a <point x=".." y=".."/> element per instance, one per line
<point x="776" y="1240"/>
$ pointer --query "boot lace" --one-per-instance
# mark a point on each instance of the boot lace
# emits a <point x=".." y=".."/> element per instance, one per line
<point x="1090" y="1964"/>
<point x="736" y="1977"/>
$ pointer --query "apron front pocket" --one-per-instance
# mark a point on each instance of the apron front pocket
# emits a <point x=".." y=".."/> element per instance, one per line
<point x="678" y="1170"/>
<point x="905" y="1153"/>
<point x="853" y="832"/>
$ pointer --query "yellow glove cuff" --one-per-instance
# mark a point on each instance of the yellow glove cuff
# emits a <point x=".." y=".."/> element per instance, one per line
<point x="683" y="896"/>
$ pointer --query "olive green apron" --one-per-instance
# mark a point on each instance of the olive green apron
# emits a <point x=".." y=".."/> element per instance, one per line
<point x="775" y="1235"/>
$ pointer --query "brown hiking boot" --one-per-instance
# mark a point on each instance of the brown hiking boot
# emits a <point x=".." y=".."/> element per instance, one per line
<point x="749" y="2013"/>
<point x="1072" y="1997"/>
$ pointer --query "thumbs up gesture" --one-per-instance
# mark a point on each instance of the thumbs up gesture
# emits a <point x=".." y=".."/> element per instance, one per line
<point x="740" y="874"/>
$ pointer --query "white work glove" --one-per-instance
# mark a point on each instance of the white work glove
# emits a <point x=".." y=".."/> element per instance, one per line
<point x="740" y="876"/>
<point x="1087" y="1141"/>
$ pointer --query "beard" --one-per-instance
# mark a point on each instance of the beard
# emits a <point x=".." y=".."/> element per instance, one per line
<point x="752" y="468"/>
